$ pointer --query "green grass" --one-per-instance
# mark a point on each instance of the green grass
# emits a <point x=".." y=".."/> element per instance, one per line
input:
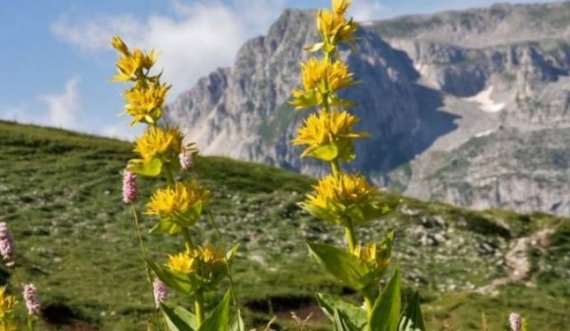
<point x="61" y="197"/>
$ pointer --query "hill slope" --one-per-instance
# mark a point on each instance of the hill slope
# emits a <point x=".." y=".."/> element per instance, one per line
<point x="60" y="195"/>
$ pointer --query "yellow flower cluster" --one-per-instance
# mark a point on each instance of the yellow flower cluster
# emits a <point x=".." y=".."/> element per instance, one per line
<point x="178" y="200"/>
<point x="146" y="104"/>
<point x="131" y="65"/>
<point x="334" y="27"/>
<point x="342" y="190"/>
<point x="145" y="100"/>
<point x="343" y="199"/>
<point x="7" y="303"/>
<point x="159" y="143"/>
<point x="321" y="80"/>
<point x="329" y="135"/>
<point x="205" y="262"/>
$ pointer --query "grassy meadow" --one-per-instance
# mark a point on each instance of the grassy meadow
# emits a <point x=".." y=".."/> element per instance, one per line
<point x="60" y="194"/>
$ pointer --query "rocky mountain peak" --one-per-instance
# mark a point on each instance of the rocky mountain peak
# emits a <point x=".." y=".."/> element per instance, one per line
<point x="447" y="97"/>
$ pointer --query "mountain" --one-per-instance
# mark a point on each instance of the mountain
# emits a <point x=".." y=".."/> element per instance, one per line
<point x="75" y="239"/>
<point x="467" y="107"/>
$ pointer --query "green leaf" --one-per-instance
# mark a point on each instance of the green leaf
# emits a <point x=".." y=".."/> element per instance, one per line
<point x="173" y="281"/>
<point x="165" y="226"/>
<point x="232" y="252"/>
<point x="354" y="314"/>
<point x="412" y="319"/>
<point x="325" y="153"/>
<point x="238" y="325"/>
<point x="177" y="319"/>
<point x="344" y="266"/>
<point x="315" y="47"/>
<point x="320" y="213"/>
<point x="219" y="319"/>
<point x="149" y="169"/>
<point x="340" y="322"/>
<point x="386" y="310"/>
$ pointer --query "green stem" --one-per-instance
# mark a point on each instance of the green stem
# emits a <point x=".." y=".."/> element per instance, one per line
<point x="30" y="323"/>
<point x="144" y="257"/>
<point x="369" y="306"/>
<point x="228" y="266"/>
<point x="187" y="239"/>
<point x="335" y="167"/>
<point x="169" y="176"/>
<point x="349" y="234"/>
<point x="199" y="307"/>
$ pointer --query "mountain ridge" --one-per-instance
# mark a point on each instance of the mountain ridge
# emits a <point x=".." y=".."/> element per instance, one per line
<point x="423" y="100"/>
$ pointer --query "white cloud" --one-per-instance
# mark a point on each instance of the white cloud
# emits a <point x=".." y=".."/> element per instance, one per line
<point x="365" y="10"/>
<point x="62" y="108"/>
<point x="19" y="113"/>
<point x="201" y="36"/>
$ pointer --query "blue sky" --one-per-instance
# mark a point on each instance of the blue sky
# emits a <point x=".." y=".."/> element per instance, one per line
<point x="56" y="61"/>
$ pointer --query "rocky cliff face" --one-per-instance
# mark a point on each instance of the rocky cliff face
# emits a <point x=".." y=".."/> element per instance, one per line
<point x="465" y="107"/>
<point x="242" y="112"/>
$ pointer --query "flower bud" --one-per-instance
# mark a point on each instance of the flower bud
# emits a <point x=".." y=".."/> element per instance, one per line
<point x="129" y="187"/>
<point x="515" y="322"/>
<point x="31" y="298"/>
<point x="119" y="45"/>
<point x="160" y="291"/>
<point x="186" y="161"/>
<point x="6" y="245"/>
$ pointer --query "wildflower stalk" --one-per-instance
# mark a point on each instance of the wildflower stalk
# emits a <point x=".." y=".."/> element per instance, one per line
<point x="141" y="247"/>
<point x="199" y="307"/>
<point x="179" y="205"/>
<point x="228" y="266"/>
<point x="349" y="235"/>
<point x="342" y="198"/>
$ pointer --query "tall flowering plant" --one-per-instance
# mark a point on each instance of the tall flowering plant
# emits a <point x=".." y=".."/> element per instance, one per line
<point x="344" y="199"/>
<point x="9" y="321"/>
<point x="176" y="207"/>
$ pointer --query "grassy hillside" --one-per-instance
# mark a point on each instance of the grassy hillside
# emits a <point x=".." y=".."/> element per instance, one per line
<point x="60" y="195"/>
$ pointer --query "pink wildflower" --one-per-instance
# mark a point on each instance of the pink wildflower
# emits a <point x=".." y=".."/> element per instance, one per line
<point x="6" y="244"/>
<point x="129" y="187"/>
<point x="160" y="291"/>
<point x="32" y="300"/>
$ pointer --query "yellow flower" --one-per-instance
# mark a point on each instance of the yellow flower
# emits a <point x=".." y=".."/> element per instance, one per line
<point x="340" y="198"/>
<point x="130" y="65"/>
<point x="376" y="257"/>
<point x="7" y="303"/>
<point x="342" y="189"/>
<point x="179" y="202"/>
<point x="316" y="74"/>
<point x="321" y="79"/>
<point x="334" y="28"/>
<point x="183" y="262"/>
<point x="366" y="253"/>
<point x="205" y="262"/>
<point x="156" y="142"/>
<point x="329" y="135"/>
<point x="146" y="104"/>
<point x="341" y="6"/>
<point x="119" y="45"/>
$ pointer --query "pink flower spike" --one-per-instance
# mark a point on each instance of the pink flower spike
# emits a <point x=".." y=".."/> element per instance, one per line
<point x="129" y="187"/>
<point x="6" y="245"/>
<point x="186" y="161"/>
<point x="160" y="291"/>
<point x="31" y="298"/>
<point x="515" y="322"/>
